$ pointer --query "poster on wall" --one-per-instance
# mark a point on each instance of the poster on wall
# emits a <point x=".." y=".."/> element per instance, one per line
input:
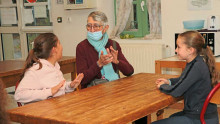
<point x="199" y="4"/>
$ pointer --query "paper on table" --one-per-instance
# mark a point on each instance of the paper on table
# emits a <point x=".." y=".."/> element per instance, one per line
<point x="28" y="16"/>
<point x="8" y="16"/>
<point x="40" y="12"/>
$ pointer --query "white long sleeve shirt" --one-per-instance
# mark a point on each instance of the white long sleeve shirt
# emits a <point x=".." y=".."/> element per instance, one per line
<point x="37" y="83"/>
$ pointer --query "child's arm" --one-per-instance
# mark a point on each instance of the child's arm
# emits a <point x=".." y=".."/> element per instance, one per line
<point x="29" y="89"/>
<point x="182" y="86"/>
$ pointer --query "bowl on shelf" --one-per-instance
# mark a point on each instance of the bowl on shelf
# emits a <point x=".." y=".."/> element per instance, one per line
<point x="193" y="24"/>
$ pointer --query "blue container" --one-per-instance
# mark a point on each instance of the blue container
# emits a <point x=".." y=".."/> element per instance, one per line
<point x="193" y="24"/>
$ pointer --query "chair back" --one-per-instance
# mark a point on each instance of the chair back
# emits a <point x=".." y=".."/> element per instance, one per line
<point x="17" y="83"/>
<point x="213" y="97"/>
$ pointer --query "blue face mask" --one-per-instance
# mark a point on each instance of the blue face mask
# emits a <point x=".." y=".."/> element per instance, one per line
<point x="95" y="35"/>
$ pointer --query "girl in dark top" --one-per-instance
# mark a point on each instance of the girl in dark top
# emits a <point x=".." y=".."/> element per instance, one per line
<point x="195" y="82"/>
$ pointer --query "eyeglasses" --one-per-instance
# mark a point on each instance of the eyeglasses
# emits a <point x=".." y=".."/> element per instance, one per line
<point x="95" y="27"/>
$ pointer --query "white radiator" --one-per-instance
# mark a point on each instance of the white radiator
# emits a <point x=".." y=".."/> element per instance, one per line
<point x="142" y="56"/>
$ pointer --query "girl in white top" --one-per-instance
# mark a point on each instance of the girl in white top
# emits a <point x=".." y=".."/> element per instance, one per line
<point x="42" y="77"/>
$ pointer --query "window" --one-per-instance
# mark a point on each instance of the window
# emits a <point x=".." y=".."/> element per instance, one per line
<point x="11" y="46"/>
<point x="137" y="24"/>
<point x="30" y="40"/>
<point x="20" y="23"/>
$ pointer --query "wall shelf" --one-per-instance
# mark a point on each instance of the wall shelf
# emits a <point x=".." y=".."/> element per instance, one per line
<point x="79" y="4"/>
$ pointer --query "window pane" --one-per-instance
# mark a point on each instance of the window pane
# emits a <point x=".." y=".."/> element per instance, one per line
<point x="30" y="40"/>
<point x="74" y="1"/>
<point x="37" y="16"/>
<point x="132" y="24"/>
<point x="11" y="46"/>
<point x="79" y="1"/>
<point x="8" y="17"/>
<point x="37" y="1"/>
<point x="8" y="2"/>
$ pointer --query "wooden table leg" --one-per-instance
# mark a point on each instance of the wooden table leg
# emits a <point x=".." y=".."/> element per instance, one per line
<point x="149" y="119"/>
<point x="157" y="67"/>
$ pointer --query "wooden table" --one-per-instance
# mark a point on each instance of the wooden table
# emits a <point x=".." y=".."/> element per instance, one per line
<point x="118" y="102"/>
<point x="10" y="70"/>
<point x="174" y="62"/>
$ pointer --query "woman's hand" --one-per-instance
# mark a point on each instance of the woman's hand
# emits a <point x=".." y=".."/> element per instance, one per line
<point x="55" y="89"/>
<point x="75" y="83"/>
<point x="114" y="53"/>
<point x="105" y="59"/>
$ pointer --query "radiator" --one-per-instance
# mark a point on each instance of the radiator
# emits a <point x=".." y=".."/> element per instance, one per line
<point x="142" y="56"/>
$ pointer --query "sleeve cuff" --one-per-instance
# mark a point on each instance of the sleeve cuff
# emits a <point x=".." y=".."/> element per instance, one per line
<point x="169" y="82"/>
<point x="68" y="88"/>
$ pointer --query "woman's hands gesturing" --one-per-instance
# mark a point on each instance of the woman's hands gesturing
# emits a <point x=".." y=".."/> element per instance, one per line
<point x="109" y="57"/>
<point x="105" y="59"/>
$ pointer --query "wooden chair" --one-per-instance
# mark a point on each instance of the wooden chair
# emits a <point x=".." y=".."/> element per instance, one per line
<point x="213" y="97"/>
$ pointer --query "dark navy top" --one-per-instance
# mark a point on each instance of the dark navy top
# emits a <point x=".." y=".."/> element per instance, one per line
<point x="194" y="84"/>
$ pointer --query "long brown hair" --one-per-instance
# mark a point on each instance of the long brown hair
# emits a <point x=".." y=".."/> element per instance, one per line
<point x="43" y="45"/>
<point x="196" y="40"/>
<point x="3" y="100"/>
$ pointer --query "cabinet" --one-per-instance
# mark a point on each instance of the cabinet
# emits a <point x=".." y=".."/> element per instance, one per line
<point x="79" y="4"/>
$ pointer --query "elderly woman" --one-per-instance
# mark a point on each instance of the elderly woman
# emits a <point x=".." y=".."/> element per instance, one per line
<point x="95" y="56"/>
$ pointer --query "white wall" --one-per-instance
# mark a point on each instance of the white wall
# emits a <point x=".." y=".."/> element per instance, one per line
<point x="173" y="13"/>
<point x="176" y="11"/>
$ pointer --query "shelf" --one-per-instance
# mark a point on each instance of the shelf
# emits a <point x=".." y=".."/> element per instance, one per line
<point x="79" y="4"/>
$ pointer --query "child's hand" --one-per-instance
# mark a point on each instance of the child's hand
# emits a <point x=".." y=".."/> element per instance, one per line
<point x="159" y="84"/>
<point x="55" y="89"/>
<point x="163" y="80"/>
<point x="75" y="83"/>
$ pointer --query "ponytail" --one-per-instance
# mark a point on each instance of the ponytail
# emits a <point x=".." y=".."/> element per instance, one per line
<point x="210" y="61"/>
<point x="196" y="40"/>
<point x="31" y="59"/>
<point x="43" y="45"/>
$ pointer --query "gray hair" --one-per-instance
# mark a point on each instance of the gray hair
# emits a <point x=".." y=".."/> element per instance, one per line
<point x="99" y="16"/>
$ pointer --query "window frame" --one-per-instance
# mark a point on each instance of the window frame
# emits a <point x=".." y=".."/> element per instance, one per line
<point x="21" y="29"/>
<point x="142" y="19"/>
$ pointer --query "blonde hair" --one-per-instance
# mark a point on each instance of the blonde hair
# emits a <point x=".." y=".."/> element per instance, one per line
<point x="196" y="40"/>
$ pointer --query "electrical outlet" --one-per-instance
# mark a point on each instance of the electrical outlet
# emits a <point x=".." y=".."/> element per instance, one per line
<point x="59" y="19"/>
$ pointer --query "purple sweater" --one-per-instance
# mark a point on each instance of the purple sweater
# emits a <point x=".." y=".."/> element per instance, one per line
<point x="86" y="62"/>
